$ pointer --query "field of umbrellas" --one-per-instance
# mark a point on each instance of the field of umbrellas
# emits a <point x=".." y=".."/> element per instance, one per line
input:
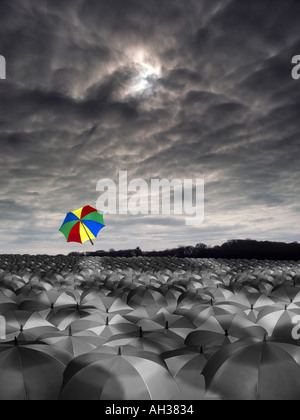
<point x="90" y="328"/>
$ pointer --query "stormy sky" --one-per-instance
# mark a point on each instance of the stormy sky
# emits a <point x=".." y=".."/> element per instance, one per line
<point x="193" y="89"/>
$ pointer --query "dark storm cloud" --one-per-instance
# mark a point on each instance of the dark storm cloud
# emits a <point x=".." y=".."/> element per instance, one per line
<point x="163" y="89"/>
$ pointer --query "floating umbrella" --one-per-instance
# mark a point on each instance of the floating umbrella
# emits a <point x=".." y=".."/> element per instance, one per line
<point x="254" y="371"/>
<point x="82" y="225"/>
<point x="31" y="372"/>
<point x="108" y="374"/>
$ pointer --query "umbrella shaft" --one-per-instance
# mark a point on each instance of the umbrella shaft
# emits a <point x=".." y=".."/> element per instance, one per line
<point x="87" y="232"/>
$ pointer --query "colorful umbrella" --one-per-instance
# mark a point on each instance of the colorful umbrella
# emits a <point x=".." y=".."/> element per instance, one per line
<point x="82" y="225"/>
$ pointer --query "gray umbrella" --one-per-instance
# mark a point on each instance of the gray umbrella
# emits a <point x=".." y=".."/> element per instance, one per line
<point x="254" y="371"/>
<point x="111" y="374"/>
<point x="31" y="372"/>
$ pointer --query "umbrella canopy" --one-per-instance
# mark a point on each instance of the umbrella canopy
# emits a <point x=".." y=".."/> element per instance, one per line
<point x="175" y="324"/>
<point x="82" y="225"/>
<point x="188" y="299"/>
<point x="31" y="372"/>
<point x="252" y="301"/>
<point x="64" y="316"/>
<point x="76" y="343"/>
<point x="287" y="295"/>
<point x="148" y="341"/>
<point x="26" y="325"/>
<point x="109" y="374"/>
<point x="6" y="303"/>
<point x="46" y="300"/>
<point x="146" y="296"/>
<point x="198" y="314"/>
<point x="278" y="320"/>
<point x="143" y="312"/>
<point x="112" y="327"/>
<point x="222" y="330"/>
<point x="186" y="366"/>
<point x="104" y="303"/>
<point x="254" y="371"/>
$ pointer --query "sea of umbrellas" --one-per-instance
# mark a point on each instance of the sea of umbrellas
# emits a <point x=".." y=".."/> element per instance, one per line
<point x="91" y="328"/>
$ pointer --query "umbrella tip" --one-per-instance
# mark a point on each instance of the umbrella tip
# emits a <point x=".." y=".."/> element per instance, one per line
<point x="286" y="306"/>
<point x="226" y="333"/>
<point x="21" y="328"/>
<point x="70" y="331"/>
<point x="201" y="350"/>
<point x="107" y="321"/>
<point x="78" y="307"/>
<point x="16" y="342"/>
<point x="120" y="352"/>
<point x="141" y="332"/>
<point x="107" y="310"/>
<point x="265" y="338"/>
<point x="252" y="307"/>
<point x="167" y="325"/>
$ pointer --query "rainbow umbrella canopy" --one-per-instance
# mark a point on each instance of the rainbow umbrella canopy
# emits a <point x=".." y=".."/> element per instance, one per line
<point x="82" y="225"/>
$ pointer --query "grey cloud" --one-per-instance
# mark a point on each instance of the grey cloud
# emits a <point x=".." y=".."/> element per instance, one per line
<point x="221" y="106"/>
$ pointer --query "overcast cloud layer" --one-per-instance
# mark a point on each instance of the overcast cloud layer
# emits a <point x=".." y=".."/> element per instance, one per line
<point x="162" y="89"/>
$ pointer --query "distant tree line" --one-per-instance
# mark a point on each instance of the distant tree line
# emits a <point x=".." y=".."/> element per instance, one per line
<point x="233" y="249"/>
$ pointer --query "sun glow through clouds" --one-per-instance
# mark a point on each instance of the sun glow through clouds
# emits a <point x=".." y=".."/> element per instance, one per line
<point x="147" y="71"/>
